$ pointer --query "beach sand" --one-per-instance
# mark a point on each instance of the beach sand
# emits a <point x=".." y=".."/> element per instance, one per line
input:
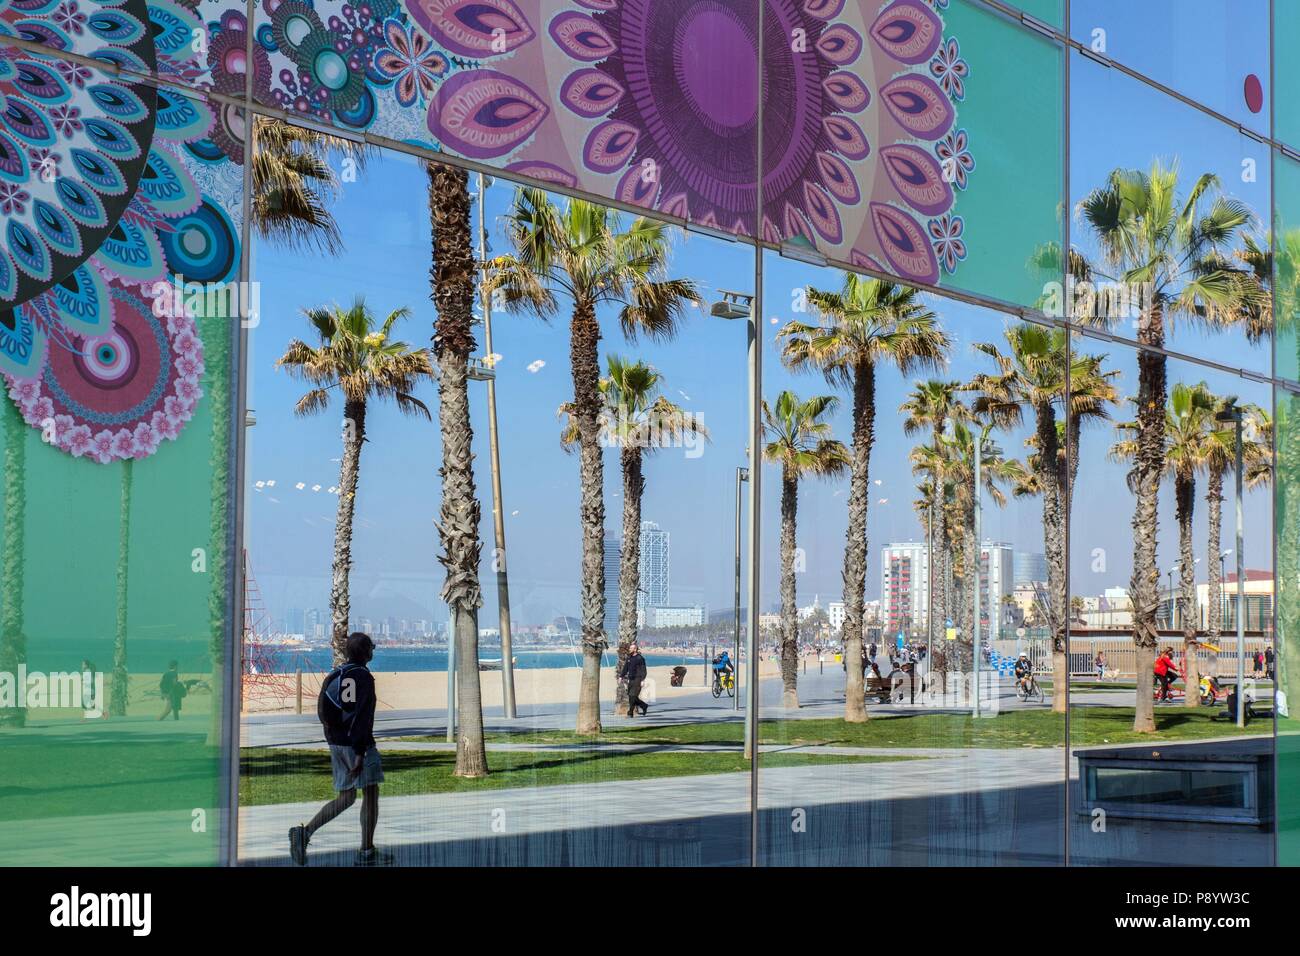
<point x="419" y="689"/>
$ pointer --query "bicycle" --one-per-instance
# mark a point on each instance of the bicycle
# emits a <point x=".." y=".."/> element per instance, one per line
<point x="724" y="680"/>
<point x="1027" y="689"/>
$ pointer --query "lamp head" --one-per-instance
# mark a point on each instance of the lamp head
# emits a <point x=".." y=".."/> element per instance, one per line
<point x="734" y="305"/>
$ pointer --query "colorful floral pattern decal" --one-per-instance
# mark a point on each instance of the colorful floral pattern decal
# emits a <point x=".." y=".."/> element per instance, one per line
<point x="106" y="185"/>
<point x="101" y="209"/>
<point x="647" y="101"/>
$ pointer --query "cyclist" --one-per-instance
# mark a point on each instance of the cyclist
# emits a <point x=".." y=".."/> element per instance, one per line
<point x="1024" y="672"/>
<point x="722" y="666"/>
<point x="1166" y="672"/>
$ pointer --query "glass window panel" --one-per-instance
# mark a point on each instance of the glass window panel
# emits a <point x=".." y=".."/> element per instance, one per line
<point x="994" y="162"/>
<point x="1189" y="541"/>
<point x="1286" y="108"/>
<point x="117" y="444"/>
<point x="166" y="38"/>
<point x="1152" y="129"/>
<point x="922" y="781"/>
<point x="1286" y="267"/>
<point x="1287" y="510"/>
<point x="664" y="789"/>
<point x="1213" y="52"/>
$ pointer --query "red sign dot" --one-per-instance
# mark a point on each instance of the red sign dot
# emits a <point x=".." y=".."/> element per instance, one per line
<point x="1254" y="93"/>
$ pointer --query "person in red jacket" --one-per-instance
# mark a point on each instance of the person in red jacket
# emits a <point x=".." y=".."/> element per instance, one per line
<point x="1166" y="673"/>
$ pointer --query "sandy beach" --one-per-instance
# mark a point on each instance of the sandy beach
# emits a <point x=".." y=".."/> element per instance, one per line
<point x="417" y="689"/>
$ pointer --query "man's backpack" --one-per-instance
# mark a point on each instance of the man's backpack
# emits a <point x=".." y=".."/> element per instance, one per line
<point x="334" y="711"/>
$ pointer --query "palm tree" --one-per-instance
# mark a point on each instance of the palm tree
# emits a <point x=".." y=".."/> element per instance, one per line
<point x="868" y="322"/>
<point x="293" y="183"/>
<point x="121" y="679"/>
<point x="995" y="470"/>
<point x="355" y="357"/>
<point x="636" y="418"/>
<point x="799" y="440"/>
<point x="1032" y="375"/>
<point x="586" y="253"/>
<point x="932" y="404"/>
<point x="1176" y="253"/>
<point x="1189" y="423"/>
<point x="1220" y="458"/>
<point x="452" y="283"/>
<point x="13" y="638"/>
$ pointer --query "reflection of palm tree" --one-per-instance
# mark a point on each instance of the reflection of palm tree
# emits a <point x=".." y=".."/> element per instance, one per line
<point x="931" y="405"/>
<point x="587" y="253"/>
<point x="869" y="322"/>
<point x="121" y="679"/>
<point x="1175" y="251"/>
<point x="1189" y="423"/>
<point x="453" y="279"/>
<point x="799" y="440"/>
<point x="293" y="184"/>
<point x="1032" y="375"/>
<point x="636" y="419"/>
<point x="1220" y="458"/>
<point x="355" y="357"/>
<point x="995" y="470"/>
<point x="13" y="640"/>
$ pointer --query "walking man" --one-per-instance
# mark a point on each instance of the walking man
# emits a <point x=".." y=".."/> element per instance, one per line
<point x="346" y="708"/>
<point x="634" y="671"/>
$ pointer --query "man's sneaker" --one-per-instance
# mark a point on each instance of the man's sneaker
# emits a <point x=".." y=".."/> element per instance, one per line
<point x="374" y="857"/>
<point x="298" y="845"/>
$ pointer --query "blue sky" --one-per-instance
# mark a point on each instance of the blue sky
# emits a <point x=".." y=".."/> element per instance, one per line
<point x="385" y="228"/>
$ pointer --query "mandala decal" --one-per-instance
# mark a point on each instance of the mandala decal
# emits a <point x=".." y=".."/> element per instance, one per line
<point x="650" y="102"/>
<point x="860" y="156"/>
<point x="99" y="213"/>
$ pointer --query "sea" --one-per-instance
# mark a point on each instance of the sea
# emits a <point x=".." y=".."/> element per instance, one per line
<point x="146" y="656"/>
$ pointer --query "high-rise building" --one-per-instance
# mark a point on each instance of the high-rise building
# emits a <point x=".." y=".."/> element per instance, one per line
<point x="997" y="561"/>
<point x="904" y="586"/>
<point x="654" y="566"/>
<point x="1028" y="567"/>
<point x="613" y="554"/>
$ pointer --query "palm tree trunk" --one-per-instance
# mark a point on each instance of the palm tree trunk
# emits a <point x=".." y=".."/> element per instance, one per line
<point x="1287" y="505"/>
<point x="855" y="546"/>
<point x="584" y="344"/>
<point x="218" y="559"/>
<point x="629" y="570"/>
<point x="971" y="565"/>
<point x="789" y="610"/>
<point x="1051" y="482"/>
<point x="13" y="640"/>
<point x="354" y="433"/>
<point x="1148" y="467"/>
<point x="1214" y="594"/>
<point x="453" y="275"/>
<point x="121" y="679"/>
<point x="1185" y="497"/>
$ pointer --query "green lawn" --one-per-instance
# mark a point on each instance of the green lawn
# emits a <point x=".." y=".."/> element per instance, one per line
<point x="276" y="775"/>
<point x="71" y="777"/>
<point x="1089" y="726"/>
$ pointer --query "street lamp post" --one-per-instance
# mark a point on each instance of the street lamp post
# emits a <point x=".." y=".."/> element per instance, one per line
<point x="738" y="305"/>
<point x="975" y="589"/>
<point x="1170" y="592"/>
<point x="1234" y="414"/>
<point x="742" y="475"/>
<point x="498" y="509"/>
<point x="929" y="584"/>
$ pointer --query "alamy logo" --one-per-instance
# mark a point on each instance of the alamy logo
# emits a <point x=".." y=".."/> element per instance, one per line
<point x="75" y="908"/>
<point x="78" y="690"/>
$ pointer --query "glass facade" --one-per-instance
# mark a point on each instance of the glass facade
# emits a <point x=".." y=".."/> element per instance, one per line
<point x="949" y="341"/>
